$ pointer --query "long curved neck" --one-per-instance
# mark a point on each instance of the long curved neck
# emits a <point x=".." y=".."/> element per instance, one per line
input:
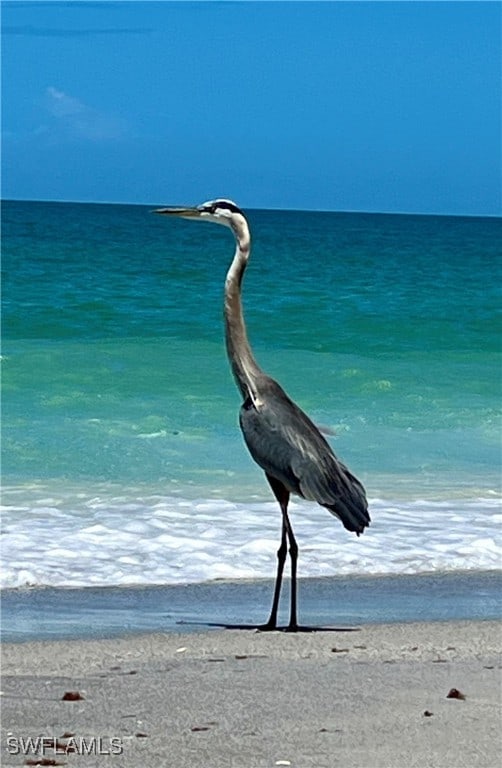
<point x="244" y="367"/>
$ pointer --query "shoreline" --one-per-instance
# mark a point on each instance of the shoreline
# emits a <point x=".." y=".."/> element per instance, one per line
<point x="375" y="698"/>
<point x="98" y="612"/>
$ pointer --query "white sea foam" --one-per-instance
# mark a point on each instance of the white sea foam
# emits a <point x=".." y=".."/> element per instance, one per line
<point x="110" y="539"/>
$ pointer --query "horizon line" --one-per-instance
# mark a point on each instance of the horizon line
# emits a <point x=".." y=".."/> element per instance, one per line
<point x="271" y="209"/>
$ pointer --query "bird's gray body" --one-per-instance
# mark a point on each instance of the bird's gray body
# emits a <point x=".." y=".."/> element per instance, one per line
<point x="288" y="446"/>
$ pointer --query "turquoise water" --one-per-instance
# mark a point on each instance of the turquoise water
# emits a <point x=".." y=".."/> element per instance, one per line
<point x="384" y="328"/>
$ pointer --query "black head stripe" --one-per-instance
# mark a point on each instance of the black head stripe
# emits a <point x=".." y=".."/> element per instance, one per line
<point x="226" y="205"/>
<point x="229" y="206"/>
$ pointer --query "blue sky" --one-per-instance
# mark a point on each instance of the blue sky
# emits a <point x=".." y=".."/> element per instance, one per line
<point x="365" y="106"/>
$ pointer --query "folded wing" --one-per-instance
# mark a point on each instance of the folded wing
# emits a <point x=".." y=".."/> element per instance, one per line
<point x="287" y="445"/>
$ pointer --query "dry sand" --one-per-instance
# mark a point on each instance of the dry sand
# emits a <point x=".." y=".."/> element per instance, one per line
<point x="375" y="698"/>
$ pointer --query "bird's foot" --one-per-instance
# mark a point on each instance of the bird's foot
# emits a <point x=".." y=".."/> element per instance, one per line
<point x="304" y="628"/>
<point x="271" y="626"/>
<point x="268" y="627"/>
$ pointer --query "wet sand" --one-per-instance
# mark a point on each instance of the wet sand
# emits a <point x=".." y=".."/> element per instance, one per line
<point x="373" y="698"/>
<point x="48" y="613"/>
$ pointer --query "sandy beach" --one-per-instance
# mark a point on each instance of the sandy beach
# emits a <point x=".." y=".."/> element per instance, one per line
<point x="372" y="698"/>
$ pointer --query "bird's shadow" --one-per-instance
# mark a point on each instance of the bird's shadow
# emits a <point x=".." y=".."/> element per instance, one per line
<point x="265" y="628"/>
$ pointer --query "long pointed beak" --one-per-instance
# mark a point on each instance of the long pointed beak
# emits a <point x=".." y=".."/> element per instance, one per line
<point x="186" y="213"/>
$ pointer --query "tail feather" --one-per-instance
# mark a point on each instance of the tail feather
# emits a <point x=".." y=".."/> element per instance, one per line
<point x="352" y="508"/>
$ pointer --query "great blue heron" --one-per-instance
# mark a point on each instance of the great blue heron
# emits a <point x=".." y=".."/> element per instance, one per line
<point x="280" y="437"/>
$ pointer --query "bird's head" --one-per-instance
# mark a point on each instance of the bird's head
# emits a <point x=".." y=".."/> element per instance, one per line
<point x="220" y="211"/>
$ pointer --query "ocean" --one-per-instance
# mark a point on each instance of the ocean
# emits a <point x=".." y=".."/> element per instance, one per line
<point x="123" y="462"/>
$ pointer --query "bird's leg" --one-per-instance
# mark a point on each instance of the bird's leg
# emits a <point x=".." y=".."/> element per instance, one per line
<point x="281" y="559"/>
<point x="282" y="496"/>
<point x="293" y="553"/>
